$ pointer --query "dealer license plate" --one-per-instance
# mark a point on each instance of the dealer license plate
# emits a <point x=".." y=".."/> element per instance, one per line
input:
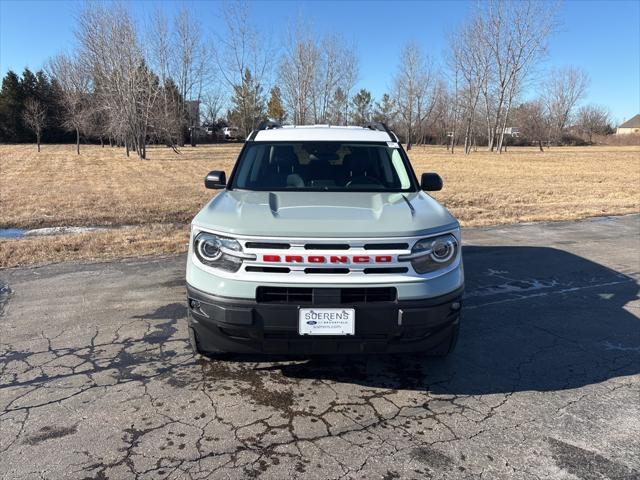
<point x="327" y="321"/>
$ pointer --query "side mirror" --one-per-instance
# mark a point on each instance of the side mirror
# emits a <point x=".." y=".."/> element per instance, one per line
<point x="215" y="180"/>
<point x="431" y="182"/>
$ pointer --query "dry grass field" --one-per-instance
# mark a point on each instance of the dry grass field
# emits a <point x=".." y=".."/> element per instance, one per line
<point x="156" y="198"/>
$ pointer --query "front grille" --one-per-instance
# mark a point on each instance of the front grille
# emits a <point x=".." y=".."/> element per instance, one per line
<point x="386" y="270"/>
<point x="342" y="296"/>
<point x="386" y="246"/>
<point x="368" y="295"/>
<point x="346" y="246"/>
<point x="268" y="269"/>
<point x="327" y="270"/>
<point x="284" y="295"/>
<point x="278" y="246"/>
<point x="327" y="246"/>
<point x="310" y="260"/>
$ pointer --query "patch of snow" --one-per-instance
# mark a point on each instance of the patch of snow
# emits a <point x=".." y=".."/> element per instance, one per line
<point x="60" y="231"/>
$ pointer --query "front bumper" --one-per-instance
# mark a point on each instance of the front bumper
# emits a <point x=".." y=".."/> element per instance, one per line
<point x="247" y="326"/>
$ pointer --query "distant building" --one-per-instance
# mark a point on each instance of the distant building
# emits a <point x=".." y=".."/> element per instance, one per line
<point x="630" y="126"/>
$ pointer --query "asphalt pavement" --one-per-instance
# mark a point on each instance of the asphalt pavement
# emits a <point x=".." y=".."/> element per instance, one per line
<point x="97" y="379"/>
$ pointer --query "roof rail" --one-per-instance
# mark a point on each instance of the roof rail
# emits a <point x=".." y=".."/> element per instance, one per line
<point x="383" y="128"/>
<point x="264" y="125"/>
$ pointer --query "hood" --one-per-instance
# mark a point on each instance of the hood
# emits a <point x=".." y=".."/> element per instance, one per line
<point x="324" y="214"/>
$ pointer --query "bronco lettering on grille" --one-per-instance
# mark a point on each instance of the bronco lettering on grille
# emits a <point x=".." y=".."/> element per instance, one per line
<point x="329" y="259"/>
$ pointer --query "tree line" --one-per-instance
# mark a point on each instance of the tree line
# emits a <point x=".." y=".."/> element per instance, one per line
<point x="29" y="105"/>
<point x="134" y="84"/>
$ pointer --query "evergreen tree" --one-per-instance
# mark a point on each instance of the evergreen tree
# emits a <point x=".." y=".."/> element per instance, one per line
<point x="384" y="110"/>
<point x="42" y="89"/>
<point x="45" y="92"/>
<point x="338" y="108"/>
<point x="15" y="93"/>
<point x="55" y="108"/>
<point x="248" y="107"/>
<point x="11" y="106"/>
<point x="275" y="108"/>
<point x="362" y="107"/>
<point x="28" y="84"/>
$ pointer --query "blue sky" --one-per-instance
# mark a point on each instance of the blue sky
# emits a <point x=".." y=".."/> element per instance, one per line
<point x="602" y="37"/>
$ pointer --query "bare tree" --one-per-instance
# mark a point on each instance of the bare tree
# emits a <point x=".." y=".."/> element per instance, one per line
<point x="160" y="45"/>
<point x="337" y="67"/>
<point x="443" y="116"/>
<point x="316" y="74"/>
<point x="454" y="118"/>
<point x="426" y="100"/>
<point x="213" y="102"/>
<point x="533" y="121"/>
<point x="241" y="49"/>
<point x="190" y="64"/>
<point x="297" y="73"/>
<point x="35" y="116"/>
<point x="349" y="68"/>
<point x="472" y="63"/>
<point x="126" y="88"/>
<point x="411" y="85"/>
<point x="514" y="34"/>
<point x="594" y="120"/>
<point x="328" y="76"/>
<point x="563" y="90"/>
<point x="169" y="116"/>
<point x="74" y="82"/>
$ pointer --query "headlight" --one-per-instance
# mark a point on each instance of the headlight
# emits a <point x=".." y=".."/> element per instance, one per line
<point x="434" y="253"/>
<point x="219" y="252"/>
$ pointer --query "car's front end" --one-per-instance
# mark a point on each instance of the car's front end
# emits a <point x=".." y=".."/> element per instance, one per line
<point x="307" y="270"/>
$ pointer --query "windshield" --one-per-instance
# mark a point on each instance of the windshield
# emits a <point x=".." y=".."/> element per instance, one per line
<point x="332" y="166"/>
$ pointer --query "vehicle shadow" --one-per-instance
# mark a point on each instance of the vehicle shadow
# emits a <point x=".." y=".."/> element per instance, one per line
<point x="534" y="319"/>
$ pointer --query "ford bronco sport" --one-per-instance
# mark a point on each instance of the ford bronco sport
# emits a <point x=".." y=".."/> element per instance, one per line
<point x="323" y="241"/>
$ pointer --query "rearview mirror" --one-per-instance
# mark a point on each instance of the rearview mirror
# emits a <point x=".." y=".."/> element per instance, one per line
<point x="431" y="182"/>
<point x="215" y="180"/>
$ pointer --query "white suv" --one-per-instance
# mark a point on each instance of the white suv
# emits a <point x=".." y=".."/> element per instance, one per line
<point x="324" y="241"/>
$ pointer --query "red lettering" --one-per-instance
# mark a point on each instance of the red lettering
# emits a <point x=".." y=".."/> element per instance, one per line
<point x="361" y="259"/>
<point x="338" y="259"/>
<point x="332" y="259"/>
